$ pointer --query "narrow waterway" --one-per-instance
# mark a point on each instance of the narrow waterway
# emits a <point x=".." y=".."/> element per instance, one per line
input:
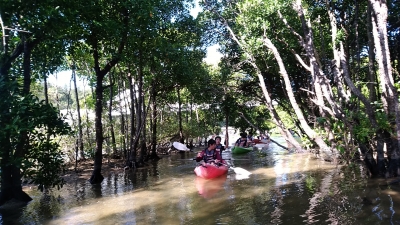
<point x="284" y="188"/>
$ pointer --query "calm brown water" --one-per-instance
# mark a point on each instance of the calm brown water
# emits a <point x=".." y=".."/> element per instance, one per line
<point x="283" y="189"/>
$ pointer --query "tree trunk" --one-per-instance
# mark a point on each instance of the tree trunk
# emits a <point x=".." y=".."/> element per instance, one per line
<point x="343" y="94"/>
<point x="154" y="122"/>
<point x="122" y="118"/>
<point x="307" y="129"/>
<point x="139" y="113"/>
<point x="78" y="109"/>
<point x="10" y="174"/>
<point x="285" y="133"/>
<point x="389" y="92"/>
<point x="113" y="144"/>
<point x="46" y="92"/>
<point x="191" y="108"/>
<point x="100" y="74"/>
<point x="143" y="138"/>
<point x="371" y="59"/>
<point x="181" y="140"/>
<point x="322" y="88"/>
<point x="98" y="157"/>
<point x="226" y="128"/>
<point x="369" y="109"/>
<point x="382" y="137"/>
<point x="132" y="148"/>
<point x="23" y="145"/>
<point x="87" y="120"/>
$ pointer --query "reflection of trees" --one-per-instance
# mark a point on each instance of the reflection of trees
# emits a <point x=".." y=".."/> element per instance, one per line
<point x="38" y="211"/>
<point x="318" y="196"/>
<point x="337" y="198"/>
<point x="277" y="201"/>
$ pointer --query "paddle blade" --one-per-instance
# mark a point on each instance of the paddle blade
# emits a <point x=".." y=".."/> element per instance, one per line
<point x="241" y="171"/>
<point x="261" y="145"/>
<point x="180" y="146"/>
<point x="241" y="177"/>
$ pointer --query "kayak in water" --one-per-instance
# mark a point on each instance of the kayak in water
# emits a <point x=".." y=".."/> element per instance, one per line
<point x="241" y="150"/>
<point x="210" y="171"/>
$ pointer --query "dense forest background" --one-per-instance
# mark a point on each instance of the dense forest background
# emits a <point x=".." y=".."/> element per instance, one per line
<point x="327" y="70"/>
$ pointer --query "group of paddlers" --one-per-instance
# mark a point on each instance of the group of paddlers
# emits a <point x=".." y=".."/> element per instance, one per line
<point x="213" y="153"/>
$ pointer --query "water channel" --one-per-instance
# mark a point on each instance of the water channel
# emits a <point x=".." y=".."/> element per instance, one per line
<point x="285" y="188"/>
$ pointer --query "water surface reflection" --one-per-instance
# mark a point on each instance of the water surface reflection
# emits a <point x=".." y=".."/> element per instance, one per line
<point x="283" y="189"/>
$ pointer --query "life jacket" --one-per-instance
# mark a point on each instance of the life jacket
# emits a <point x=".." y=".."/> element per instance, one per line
<point x="220" y="148"/>
<point x="209" y="156"/>
<point x="241" y="142"/>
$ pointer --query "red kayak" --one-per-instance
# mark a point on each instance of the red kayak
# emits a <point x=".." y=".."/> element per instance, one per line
<point x="256" y="141"/>
<point x="210" y="171"/>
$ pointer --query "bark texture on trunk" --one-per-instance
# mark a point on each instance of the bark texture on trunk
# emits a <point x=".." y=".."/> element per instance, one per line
<point x="307" y="129"/>
<point x="153" y="154"/>
<point x="97" y="177"/>
<point x="181" y="139"/>
<point x="11" y="187"/>
<point x="275" y="117"/>
<point x="110" y="118"/>
<point x="371" y="59"/>
<point x="389" y="97"/>
<point x="78" y="109"/>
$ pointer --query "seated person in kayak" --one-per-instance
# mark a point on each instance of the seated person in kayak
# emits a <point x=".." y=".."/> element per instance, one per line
<point x="210" y="154"/>
<point x="219" y="147"/>
<point x="242" y="141"/>
<point x="250" y="139"/>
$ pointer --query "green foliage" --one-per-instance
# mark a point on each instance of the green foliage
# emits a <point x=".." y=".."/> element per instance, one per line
<point x="44" y="163"/>
<point x="306" y="142"/>
<point x="40" y="159"/>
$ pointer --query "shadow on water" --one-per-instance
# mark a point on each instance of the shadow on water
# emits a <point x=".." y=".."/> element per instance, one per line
<point x="283" y="189"/>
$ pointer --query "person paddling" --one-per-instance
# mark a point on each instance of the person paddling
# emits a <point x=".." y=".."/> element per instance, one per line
<point x="242" y="141"/>
<point x="219" y="147"/>
<point x="210" y="154"/>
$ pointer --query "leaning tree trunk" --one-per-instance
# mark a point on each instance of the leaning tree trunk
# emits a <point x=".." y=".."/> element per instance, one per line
<point x="307" y="129"/>
<point x="342" y="92"/>
<point x="389" y="92"/>
<point x="285" y="133"/>
<point x="277" y="120"/>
